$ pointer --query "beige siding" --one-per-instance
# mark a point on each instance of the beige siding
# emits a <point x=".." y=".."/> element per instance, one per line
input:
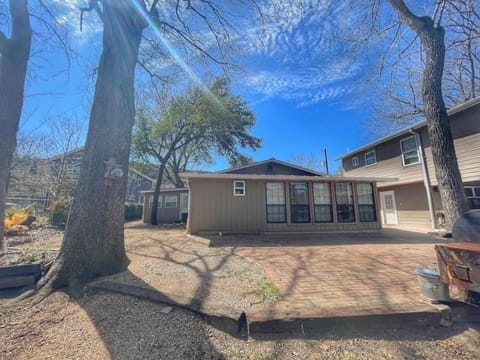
<point x="214" y="208"/>
<point x="466" y="132"/>
<point x="468" y="155"/>
<point x="412" y="206"/>
<point x="392" y="168"/>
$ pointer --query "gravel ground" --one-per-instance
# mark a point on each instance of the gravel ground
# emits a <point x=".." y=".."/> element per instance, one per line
<point x="111" y="326"/>
<point x="186" y="269"/>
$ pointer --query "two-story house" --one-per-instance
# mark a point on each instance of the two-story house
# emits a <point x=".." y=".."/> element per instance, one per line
<point x="414" y="201"/>
<point x="39" y="180"/>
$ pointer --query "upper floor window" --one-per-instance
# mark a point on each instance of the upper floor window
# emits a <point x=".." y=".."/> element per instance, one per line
<point x="239" y="188"/>
<point x="409" y="149"/>
<point x="370" y="158"/>
<point x="355" y="161"/>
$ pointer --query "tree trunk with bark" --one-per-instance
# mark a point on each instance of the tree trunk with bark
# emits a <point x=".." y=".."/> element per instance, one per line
<point x="14" y="55"/>
<point x="94" y="241"/>
<point x="438" y="124"/>
<point x="156" y="193"/>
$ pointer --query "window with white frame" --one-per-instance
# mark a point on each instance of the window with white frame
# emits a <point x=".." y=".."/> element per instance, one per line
<point x="473" y="196"/>
<point x="275" y="194"/>
<point x="239" y="188"/>
<point x="322" y="201"/>
<point x="409" y="149"/>
<point x="370" y="158"/>
<point x="355" y="161"/>
<point x="171" y="201"/>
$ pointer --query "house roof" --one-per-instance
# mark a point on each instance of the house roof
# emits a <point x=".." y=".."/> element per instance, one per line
<point x="272" y="160"/>
<point x="164" y="190"/>
<point x="281" y="177"/>
<point x="417" y="125"/>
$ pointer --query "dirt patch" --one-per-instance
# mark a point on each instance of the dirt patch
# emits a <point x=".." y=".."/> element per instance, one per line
<point x="39" y="245"/>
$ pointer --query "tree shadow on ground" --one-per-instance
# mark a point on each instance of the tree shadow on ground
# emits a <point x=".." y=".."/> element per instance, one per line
<point x="385" y="236"/>
<point x="135" y="328"/>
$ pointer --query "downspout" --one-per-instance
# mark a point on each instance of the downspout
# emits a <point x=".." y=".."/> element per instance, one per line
<point x="188" y="209"/>
<point x="426" y="179"/>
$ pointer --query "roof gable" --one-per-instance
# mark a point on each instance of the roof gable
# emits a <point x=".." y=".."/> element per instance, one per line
<point x="272" y="167"/>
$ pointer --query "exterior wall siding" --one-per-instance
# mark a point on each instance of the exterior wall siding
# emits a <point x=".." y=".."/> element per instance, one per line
<point x="213" y="208"/>
<point x="412" y="206"/>
<point x="466" y="133"/>
<point x="164" y="215"/>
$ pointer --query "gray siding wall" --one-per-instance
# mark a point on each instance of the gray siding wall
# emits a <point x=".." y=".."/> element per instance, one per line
<point x="214" y="208"/>
<point x="164" y="215"/>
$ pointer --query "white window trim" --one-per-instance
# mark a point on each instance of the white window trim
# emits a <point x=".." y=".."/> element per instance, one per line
<point x="243" y="187"/>
<point x="369" y="152"/>
<point x="416" y="148"/>
<point x="355" y="163"/>
<point x="473" y="187"/>
<point x="176" y="202"/>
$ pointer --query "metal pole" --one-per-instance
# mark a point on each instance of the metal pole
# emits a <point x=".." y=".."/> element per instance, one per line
<point x="326" y="159"/>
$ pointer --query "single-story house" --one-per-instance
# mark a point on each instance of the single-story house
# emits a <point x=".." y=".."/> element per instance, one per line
<point x="172" y="205"/>
<point x="275" y="196"/>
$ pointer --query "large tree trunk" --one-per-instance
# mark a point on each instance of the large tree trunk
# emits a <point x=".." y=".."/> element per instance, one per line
<point x="156" y="193"/>
<point x="94" y="241"/>
<point x="443" y="151"/>
<point x="14" y="55"/>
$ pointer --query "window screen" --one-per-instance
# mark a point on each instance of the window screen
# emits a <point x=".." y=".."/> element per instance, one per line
<point x="366" y="203"/>
<point x="409" y="151"/>
<point x="299" y="204"/>
<point x="276" y="211"/>
<point x="322" y="200"/>
<point x="345" y="206"/>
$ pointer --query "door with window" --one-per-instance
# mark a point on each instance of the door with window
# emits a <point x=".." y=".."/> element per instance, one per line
<point x="389" y="209"/>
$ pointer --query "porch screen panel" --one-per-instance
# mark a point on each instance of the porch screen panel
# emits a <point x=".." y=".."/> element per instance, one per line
<point x="299" y="204"/>
<point x="366" y="203"/>
<point x="322" y="200"/>
<point x="345" y="206"/>
<point x="276" y="211"/>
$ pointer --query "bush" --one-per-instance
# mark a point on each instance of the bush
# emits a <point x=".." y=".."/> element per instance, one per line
<point x="133" y="211"/>
<point x="59" y="211"/>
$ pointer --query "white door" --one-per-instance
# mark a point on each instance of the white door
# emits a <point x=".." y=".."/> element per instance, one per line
<point x="389" y="210"/>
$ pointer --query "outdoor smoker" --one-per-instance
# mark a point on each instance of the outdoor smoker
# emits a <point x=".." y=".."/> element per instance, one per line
<point x="459" y="261"/>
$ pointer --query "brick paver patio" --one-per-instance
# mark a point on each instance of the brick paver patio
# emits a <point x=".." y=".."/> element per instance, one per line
<point x="339" y="274"/>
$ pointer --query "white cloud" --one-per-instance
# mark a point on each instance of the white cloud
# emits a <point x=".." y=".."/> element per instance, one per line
<point x="302" y="60"/>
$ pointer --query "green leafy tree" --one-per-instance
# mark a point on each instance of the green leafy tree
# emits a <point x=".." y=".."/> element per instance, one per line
<point x="203" y="121"/>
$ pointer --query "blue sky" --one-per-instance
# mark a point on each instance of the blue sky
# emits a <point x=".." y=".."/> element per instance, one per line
<point x="298" y="78"/>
